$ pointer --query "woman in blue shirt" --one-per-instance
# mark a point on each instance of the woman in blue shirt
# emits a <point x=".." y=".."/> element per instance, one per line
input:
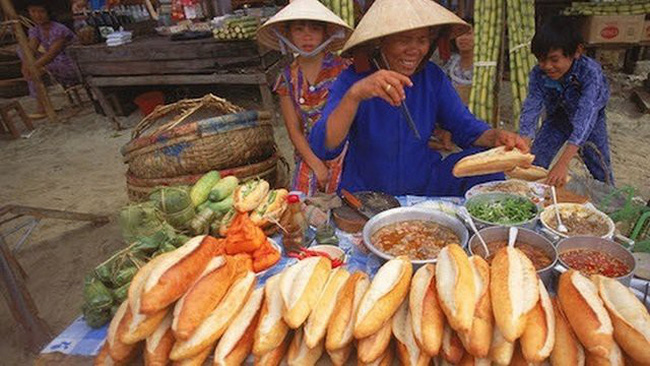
<point x="363" y="107"/>
<point x="573" y="91"/>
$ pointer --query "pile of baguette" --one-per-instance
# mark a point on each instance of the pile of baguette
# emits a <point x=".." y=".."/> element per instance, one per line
<point x="186" y="305"/>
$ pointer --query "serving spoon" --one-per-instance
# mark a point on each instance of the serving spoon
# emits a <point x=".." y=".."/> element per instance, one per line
<point x="512" y="236"/>
<point x="560" y="226"/>
<point x="463" y="211"/>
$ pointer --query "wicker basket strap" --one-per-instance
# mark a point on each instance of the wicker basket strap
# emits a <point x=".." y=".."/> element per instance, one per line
<point x="194" y="130"/>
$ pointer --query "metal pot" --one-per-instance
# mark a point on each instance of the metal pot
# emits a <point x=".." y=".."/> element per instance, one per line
<point x="499" y="233"/>
<point x="602" y="245"/>
<point x="497" y="196"/>
<point x="411" y="213"/>
<point x="549" y="212"/>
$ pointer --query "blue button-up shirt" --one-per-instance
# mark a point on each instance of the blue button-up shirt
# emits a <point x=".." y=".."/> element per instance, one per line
<point x="383" y="154"/>
<point x="575" y="104"/>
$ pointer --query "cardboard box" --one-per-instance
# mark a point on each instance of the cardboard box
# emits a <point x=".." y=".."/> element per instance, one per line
<point x="646" y="32"/>
<point x="613" y="29"/>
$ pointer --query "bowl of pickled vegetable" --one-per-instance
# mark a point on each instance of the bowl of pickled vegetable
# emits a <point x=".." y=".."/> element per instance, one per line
<point x="502" y="209"/>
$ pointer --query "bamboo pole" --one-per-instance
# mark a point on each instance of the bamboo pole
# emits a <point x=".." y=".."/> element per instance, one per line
<point x="28" y="58"/>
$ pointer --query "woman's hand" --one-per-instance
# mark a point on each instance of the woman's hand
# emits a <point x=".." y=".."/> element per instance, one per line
<point x="385" y="84"/>
<point x="558" y="175"/>
<point x="442" y="140"/>
<point x="511" y="140"/>
<point x="322" y="174"/>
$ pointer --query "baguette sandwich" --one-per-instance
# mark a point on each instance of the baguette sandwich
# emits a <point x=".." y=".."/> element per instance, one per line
<point x="271" y="330"/>
<point x="249" y="195"/>
<point x="469" y="360"/>
<point x="532" y="173"/>
<point x="452" y="350"/>
<point x="319" y="318"/>
<point x="301" y="355"/>
<point x="237" y="341"/>
<point x="477" y="341"/>
<point x="215" y="324"/>
<point x="387" y="291"/>
<point x="159" y="344"/>
<point x="629" y="317"/>
<point x="567" y="350"/>
<point x="586" y="313"/>
<point x="174" y="274"/>
<point x="371" y="348"/>
<point x="204" y="295"/>
<point x="271" y="209"/>
<point x="408" y="351"/>
<point x="385" y="359"/>
<point x="495" y="160"/>
<point x="428" y="319"/>
<point x="456" y="288"/>
<point x="300" y="287"/>
<point x="514" y="290"/>
<point x="119" y="351"/>
<point x="615" y="358"/>
<point x="341" y="326"/>
<point x="501" y="351"/>
<point x="196" y="360"/>
<point x="539" y="335"/>
<point x="340" y="356"/>
<point x="275" y="356"/>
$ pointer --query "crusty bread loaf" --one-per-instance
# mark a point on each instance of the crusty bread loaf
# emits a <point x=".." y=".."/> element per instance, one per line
<point x="532" y="173"/>
<point x="495" y="160"/>
<point x="274" y="357"/>
<point x="300" y="354"/>
<point x="249" y="195"/>
<point x="204" y="295"/>
<point x="408" y="351"/>
<point x="118" y="350"/>
<point x="341" y="326"/>
<point x="452" y="349"/>
<point x="629" y="317"/>
<point x="319" y="318"/>
<point x="387" y="291"/>
<point x="477" y="341"/>
<point x="539" y="336"/>
<point x="456" y="288"/>
<point x="196" y="360"/>
<point x="340" y="356"/>
<point x="300" y="286"/>
<point x="514" y="291"/>
<point x="271" y="329"/>
<point x="586" y="313"/>
<point x="159" y="343"/>
<point x="237" y="340"/>
<point x="371" y="348"/>
<point x="384" y="360"/>
<point x="213" y="327"/>
<point x="174" y="275"/>
<point x="501" y="350"/>
<point x="426" y="314"/>
<point x="469" y="360"/>
<point x="615" y="358"/>
<point x="567" y="350"/>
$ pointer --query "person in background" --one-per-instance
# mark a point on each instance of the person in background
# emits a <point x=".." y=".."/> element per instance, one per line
<point x="460" y="65"/>
<point x="311" y="31"/>
<point x="53" y="38"/>
<point x="573" y="91"/>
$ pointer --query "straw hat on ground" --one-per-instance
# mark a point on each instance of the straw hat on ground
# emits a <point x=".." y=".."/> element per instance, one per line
<point x="303" y="10"/>
<point x="387" y="17"/>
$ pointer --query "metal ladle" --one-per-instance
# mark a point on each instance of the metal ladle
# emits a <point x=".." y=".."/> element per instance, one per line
<point x="512" y="236"/>
<point x="560" y="226"/>
<point x="467" y="217"/>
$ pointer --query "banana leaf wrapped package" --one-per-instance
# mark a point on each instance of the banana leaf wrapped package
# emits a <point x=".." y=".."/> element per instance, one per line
<point x="175" y="204"/>
<point x="95" y="318"/>
<point x="96" y="294"/>
<point x="121" y="293"/>
<point x="141" y="220"/>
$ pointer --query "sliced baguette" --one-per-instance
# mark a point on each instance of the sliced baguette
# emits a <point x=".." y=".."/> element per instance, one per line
<point x="384" y="360"/>
<point x="341" y="326"/>
<point x="174" y="275"/>
<point x="567" y="350"/>
<point x="275" y="356"/>
<point x="204" y="295"/>
<point x="539" y="336"/>
<point x="159" y="344"/>
<point x="514" y="291"/>
<point x="426" y="314"/>
<point x="452" y="349"/>
<point x="237" y="341"/>
<point x="117" y="349"/>
<point x="532" y="173"/>
<point x="456" y="288"/>
<point x="371" y="348"/>
<point x="477" y="341"/>
<point x="629" y="317"/>
<point x="501" y="351"/>
<point x="387" y="291"/>
<point x="319" y="318"/>
<point x="586" y="313"/>
<point x="301" y="355"/>
<point x="495" y="160"/>
<point x="615" y="358"/>
<point x="196" y="360"/>
<point x="469" y="360"/>
<point x="340" y="356"/>
<point x="300" y="286"/>
<point x="271" y="329"/>
<point x="408" y="351"/>
<point x="213" y="327"/>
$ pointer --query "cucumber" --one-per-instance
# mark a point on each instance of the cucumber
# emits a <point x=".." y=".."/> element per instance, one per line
<point x="201" y="190"/>
<point x="222" y="206"/>
<point x="224" y="188"/>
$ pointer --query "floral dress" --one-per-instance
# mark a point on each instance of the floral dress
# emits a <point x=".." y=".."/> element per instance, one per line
<point x="309" y="100"/>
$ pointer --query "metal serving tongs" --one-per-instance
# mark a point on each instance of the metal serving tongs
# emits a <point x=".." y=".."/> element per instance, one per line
<point x="403" y="107"/>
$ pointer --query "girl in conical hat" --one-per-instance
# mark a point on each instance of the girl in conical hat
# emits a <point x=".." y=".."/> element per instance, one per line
<point x="364" y="110"/>
<point x="309" y="30"/>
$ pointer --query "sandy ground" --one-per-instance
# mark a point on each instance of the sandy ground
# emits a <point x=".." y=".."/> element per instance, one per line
<point x="76" y="165"/>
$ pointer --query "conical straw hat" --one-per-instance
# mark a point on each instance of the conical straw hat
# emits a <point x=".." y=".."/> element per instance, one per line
<point x="386" y="17"/>
<point x="303" y="10"/>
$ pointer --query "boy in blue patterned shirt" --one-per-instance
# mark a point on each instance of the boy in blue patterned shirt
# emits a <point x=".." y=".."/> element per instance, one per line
<point x="573" y="91"/>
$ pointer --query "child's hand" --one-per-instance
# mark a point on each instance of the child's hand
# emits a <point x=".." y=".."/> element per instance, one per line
<point x="558" y="175"/>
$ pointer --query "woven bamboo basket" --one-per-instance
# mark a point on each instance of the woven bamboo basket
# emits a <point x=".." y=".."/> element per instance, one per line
<point x="194" y="136"/>
<point x="138" y="189"/>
